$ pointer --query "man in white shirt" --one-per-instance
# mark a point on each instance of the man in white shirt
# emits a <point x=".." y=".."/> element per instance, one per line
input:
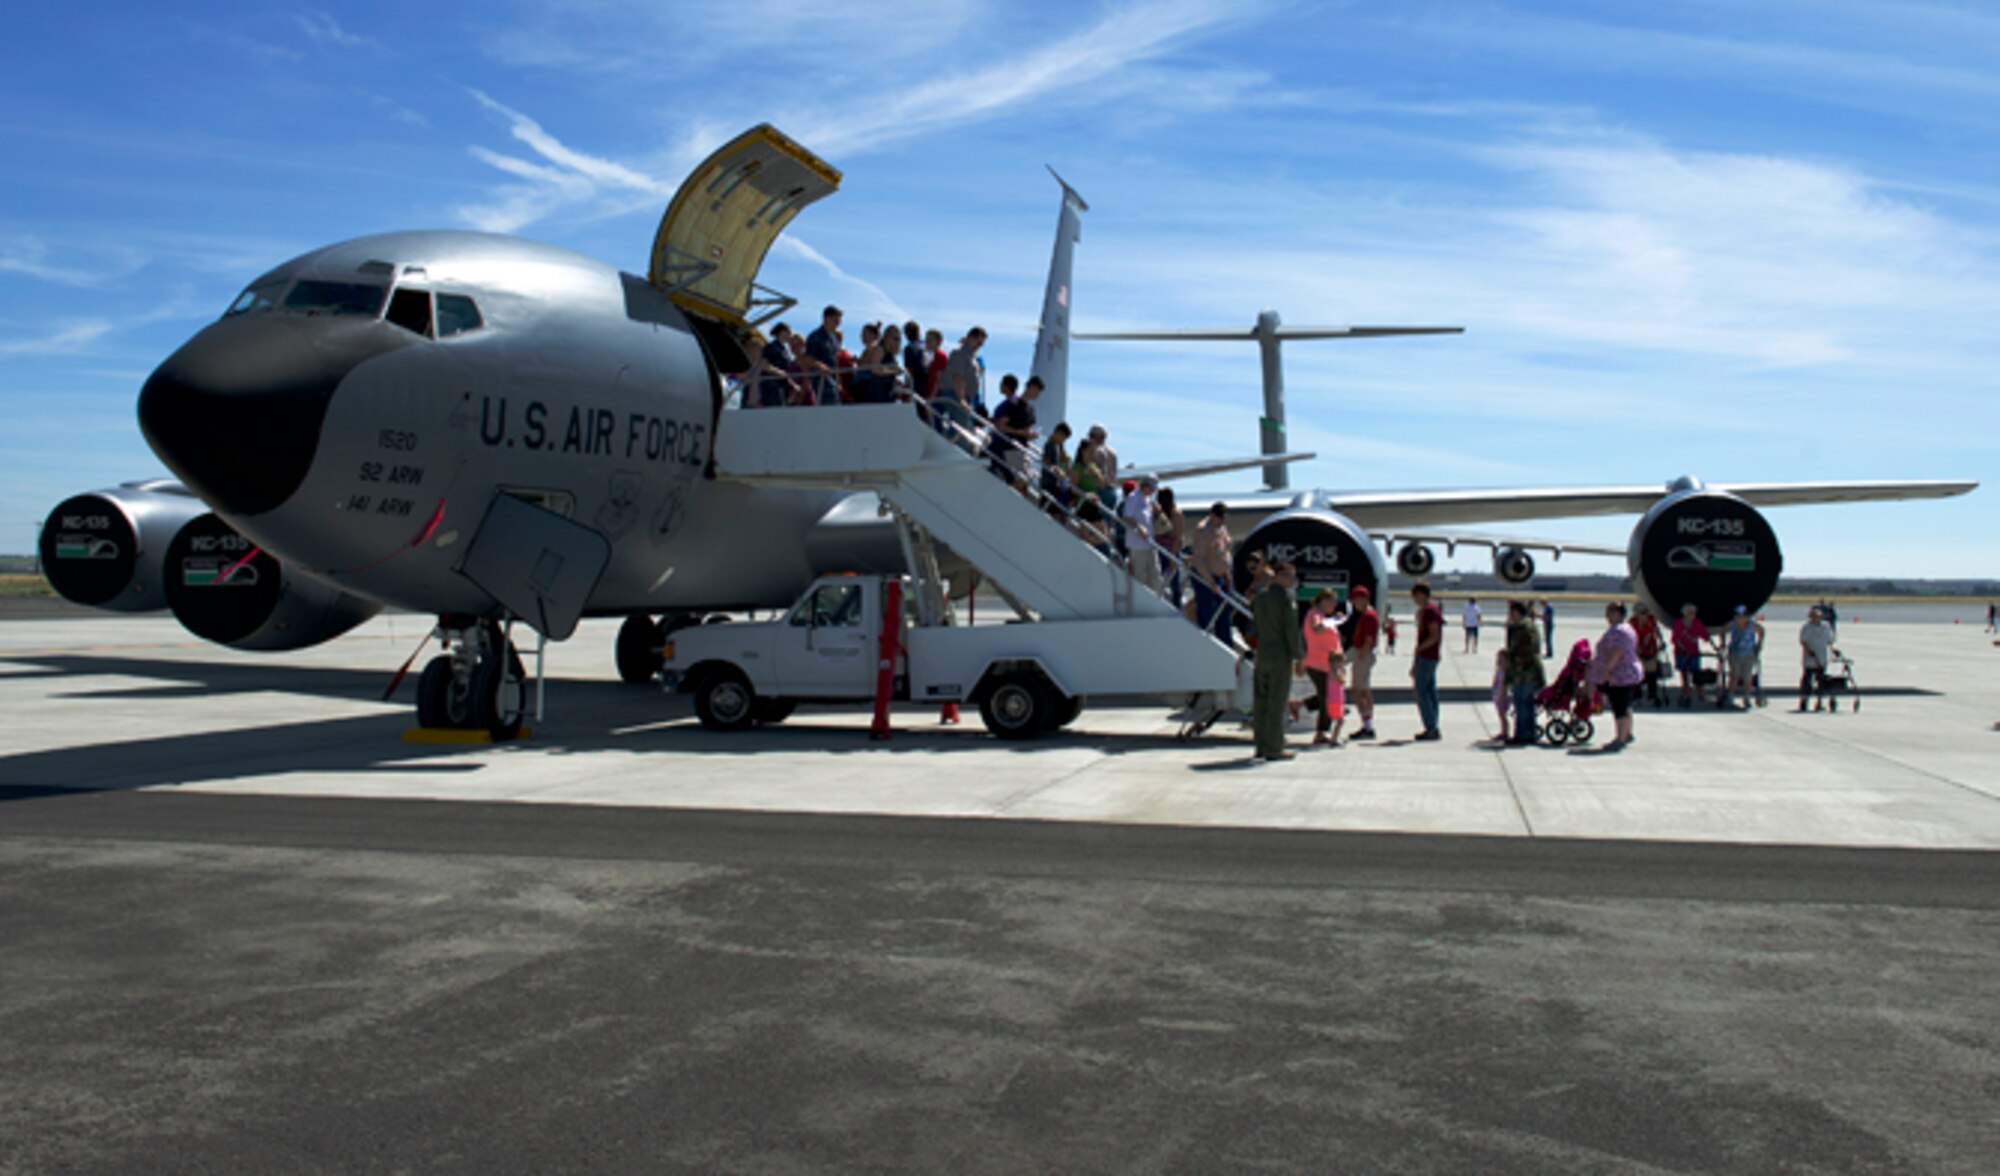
<point x="1815" y="654"/>
<point x="1138" y="515"/>
<point x="1472" y="615"/>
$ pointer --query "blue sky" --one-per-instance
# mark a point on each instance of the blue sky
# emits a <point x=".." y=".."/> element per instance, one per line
<point x="1749" y="242"/>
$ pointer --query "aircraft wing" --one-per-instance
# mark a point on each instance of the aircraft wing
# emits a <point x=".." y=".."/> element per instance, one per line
<point x="1402" y="509"/>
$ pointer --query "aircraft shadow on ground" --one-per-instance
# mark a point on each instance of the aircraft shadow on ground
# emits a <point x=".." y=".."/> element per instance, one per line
<point x="584" y="716"/>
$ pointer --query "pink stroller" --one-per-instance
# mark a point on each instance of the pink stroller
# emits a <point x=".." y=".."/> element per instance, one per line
<point x="1568" y="702"/>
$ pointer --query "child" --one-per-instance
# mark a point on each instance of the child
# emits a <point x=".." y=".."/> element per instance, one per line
<point x="1336" y="694"/>
<point x="1501" y="703"/>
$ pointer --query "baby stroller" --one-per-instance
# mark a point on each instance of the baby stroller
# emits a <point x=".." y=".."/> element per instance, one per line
<point x="1568" y="702"/>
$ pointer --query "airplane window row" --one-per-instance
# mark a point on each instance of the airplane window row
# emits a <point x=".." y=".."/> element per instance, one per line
<point x="411" y="308"/>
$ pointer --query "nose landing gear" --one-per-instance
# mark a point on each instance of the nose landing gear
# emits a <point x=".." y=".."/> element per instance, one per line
<point x="478" y="685"/>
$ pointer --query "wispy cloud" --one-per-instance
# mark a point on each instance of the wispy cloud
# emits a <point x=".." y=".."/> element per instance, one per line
<point x="29" y="256"/>
<point x="323" y="29"/>
<point x="567" y="178"/>
<point x="68" y="340"/>
<point x="880" y="303"/>
<point x="1124" y="38"/>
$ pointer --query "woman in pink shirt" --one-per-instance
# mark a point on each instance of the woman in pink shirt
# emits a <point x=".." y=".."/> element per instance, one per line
<point x="1616" y="671"/>
<point x="1323" y="662"/>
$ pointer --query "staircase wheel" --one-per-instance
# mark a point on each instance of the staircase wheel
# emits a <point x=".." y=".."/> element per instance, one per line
<point x="1017" y="706"/>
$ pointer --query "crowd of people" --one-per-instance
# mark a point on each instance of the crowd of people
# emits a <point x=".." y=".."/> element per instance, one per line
<point x="1133" y="521"/>
<point x="895" y="364"/>
<point x="1138" y="524"/>
<point x="1336" y="646"/>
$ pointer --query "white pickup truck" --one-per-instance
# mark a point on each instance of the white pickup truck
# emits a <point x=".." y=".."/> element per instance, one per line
<point x="1026" y="678"/>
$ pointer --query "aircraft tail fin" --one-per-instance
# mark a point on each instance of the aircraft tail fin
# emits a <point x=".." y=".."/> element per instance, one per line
<point x="1052" y="340"/>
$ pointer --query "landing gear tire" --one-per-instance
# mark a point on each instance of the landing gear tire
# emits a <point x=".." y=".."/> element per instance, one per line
<point x="442" y="699"/>
<point x="772" y="711"/>
<point x="639" y="641"/>
<point x="724" y="701"/>
<point x="1065" y="711"/>
<point x="1017" y="706"/>
<point x="481" y="685"/>
<point x="500" y="694"/>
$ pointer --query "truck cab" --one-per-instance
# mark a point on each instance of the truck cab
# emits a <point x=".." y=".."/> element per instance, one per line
<point x="742" y="673"/>
<point x="825" y="648"/>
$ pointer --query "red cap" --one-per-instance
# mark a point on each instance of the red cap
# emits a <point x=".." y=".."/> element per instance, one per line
<point x="1360" y="592"/>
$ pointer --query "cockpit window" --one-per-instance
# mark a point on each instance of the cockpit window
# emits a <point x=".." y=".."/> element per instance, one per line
<point x="314" y="297"/>
<point x="411" y="310"/>
<point x="456" y="314"/>
<point x="260" y="297"/>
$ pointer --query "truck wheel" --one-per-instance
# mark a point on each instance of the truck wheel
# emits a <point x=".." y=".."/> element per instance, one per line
<point x="723" y="700"/>
<point x="771" y="711"/>
<point x="1065" y="711"/>
<point x="639" y="649"/>
<point x="1017" y="706"/>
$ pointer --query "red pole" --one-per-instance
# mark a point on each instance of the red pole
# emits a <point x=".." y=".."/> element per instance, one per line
<point x="885" y="669"/>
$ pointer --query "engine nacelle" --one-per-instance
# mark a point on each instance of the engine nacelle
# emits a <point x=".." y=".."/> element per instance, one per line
<point x="1513" y="565"/>
<point x="1416" y="560"/>
<point x="108" y="548"/>
<point x="1706" y="548"/>
<point x="224" y="589"/>
<point x="1330" y="551"/>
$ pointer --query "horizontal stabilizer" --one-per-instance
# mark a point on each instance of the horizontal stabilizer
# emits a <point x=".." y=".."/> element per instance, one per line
<point x="1237" y="334"/>
<point x="1201" y="469"/>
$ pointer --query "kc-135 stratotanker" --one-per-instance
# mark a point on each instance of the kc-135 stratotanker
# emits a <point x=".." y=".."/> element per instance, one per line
<point x="497" y="432"/>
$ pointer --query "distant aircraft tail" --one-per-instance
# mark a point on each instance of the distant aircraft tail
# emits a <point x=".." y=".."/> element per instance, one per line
<point x="1052" y="341"/>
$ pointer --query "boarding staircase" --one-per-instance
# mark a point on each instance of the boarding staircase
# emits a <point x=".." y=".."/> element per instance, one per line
<point x="941" y="491"/>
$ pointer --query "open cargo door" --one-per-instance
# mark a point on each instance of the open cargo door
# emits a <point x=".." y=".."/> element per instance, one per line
<point x="719" y="226"/>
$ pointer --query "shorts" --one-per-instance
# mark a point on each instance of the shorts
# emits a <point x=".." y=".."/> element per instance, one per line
<point x="1687" y="663"/>
<point x="1620" y="700"/>
<point x="1744" y="666"/>
<point x="1360" y="667"/>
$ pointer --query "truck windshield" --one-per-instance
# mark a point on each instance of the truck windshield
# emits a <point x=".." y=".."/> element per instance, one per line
<point x="833" y="606"/>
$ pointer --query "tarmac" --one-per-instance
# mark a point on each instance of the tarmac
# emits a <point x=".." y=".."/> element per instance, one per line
<point x="247" y="928"/>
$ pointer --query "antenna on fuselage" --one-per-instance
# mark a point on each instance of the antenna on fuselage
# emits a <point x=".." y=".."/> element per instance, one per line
<point x="1269" y="334"/>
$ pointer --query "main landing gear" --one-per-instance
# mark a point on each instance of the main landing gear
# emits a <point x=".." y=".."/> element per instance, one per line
<point x="640" y="640"/>
<point x="477" y="685"/>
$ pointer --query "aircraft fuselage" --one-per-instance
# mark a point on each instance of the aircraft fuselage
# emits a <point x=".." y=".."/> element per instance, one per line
<point x="358" y="410"/>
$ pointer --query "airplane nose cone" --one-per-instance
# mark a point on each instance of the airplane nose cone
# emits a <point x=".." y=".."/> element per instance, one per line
<point x="236" y="412"/>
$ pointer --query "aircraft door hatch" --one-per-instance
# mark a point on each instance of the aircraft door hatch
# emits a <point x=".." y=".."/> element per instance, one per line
<point x="540" y="566"/>
<point x="722" y="222"/>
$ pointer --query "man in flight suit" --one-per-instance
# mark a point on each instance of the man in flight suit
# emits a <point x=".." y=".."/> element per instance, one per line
<point x="1281" y="654"/>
